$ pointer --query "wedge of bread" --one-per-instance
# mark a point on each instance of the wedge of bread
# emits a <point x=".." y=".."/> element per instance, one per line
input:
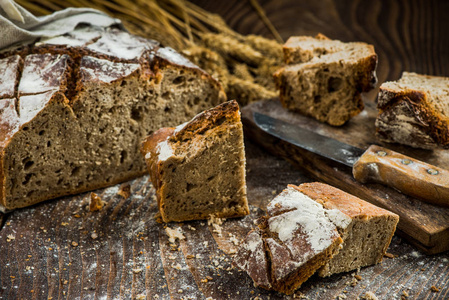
<point x="198" y="168"/>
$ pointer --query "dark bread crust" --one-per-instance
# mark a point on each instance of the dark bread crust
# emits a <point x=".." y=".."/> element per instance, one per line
<point x="73" y="85"/>
<point x="207" y="119"/>
<point x="333" y="198"/>
<point x="428" y="127"/>
<point x="154" y="166"/>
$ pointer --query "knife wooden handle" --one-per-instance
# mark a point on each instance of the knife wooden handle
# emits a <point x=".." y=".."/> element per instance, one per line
<point x="409" y="176"/>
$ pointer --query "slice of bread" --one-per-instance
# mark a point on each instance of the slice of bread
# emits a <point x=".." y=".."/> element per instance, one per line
<point x="366" y="229"/>
<point x="312" y="228"/>
<point x="414" y="111"/>
<point x="324" y="78"/>
<point x="198" y="168"/>
<point x="74" y="109"/>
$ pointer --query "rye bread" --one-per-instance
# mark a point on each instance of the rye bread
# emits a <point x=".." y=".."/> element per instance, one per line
<point x="74" y="109"/>
<point x="324" y="78"/>
<point x="414" y="111"/>
<point x="198" y="168"/>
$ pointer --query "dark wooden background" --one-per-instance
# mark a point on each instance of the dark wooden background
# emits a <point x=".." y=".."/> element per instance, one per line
<point x="60" y="250"/>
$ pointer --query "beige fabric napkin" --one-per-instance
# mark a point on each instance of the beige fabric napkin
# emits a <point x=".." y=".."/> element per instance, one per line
<point x="17" y="25"/>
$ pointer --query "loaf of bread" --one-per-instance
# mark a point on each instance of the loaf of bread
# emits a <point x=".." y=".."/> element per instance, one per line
<point x="312" y="228"/>
<point x="324" y="78"/>
<point x="198" y="168"/>
<point x="74" y="109"/>
<point x="414" y="111"/>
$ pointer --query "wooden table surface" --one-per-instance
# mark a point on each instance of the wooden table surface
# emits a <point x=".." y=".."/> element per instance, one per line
<point x="60" y="250"/>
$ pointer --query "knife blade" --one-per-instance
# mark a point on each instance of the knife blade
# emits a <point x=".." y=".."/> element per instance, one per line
<point x="375" y="164"/>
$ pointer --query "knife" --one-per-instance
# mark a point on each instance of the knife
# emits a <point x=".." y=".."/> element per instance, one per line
<point x="376" y="164"/>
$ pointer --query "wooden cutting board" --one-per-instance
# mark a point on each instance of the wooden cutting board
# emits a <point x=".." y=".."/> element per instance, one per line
<point x="424" y="225"/>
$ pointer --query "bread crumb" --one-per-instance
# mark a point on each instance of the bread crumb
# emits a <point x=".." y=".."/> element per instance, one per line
<point x="358" y="277"/>
<point x="217" y="229"/>
<point x="389" y="255"/>
<point x="434" y="289"/>
<point x="233" y="239"/>
<point x="94" y="235"/>
<point x="95" y="203"/>
<point x="370" y="296"/>
<point x="214" y="220"/>
<point x="405" y="294"/>
<point x="125" y="191"/>
<point x="174" y="234"/>
<point x="64" y="223"/>
<point x="10" y="237"/>
<point x="141" y="296"/>
<point x="74" y="244"/>
<point x="137" y="271"/>
<point x="354" y="282"/>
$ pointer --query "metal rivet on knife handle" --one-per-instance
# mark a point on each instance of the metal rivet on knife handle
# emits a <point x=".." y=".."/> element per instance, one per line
<point x="406" y="161"/>
<point x="382" y="153"/>
<point x="422" y="181"/>
<point x="433" y="172"/>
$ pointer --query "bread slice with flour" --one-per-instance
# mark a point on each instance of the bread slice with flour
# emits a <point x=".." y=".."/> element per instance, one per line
<point x="198" y="168"/>
<point x="414" y="111"/>
<point x="324" y="78"/>
<point x="297" y="239"/>
<point x="74" y="109"/>
<point x="314" y="228"/>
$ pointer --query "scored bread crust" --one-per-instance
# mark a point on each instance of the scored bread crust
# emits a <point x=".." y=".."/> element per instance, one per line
<point x="181" y="140"/>
<point x="407" y="116"/>
<point x="85" y="62"/>
<point x="315" y="73"/>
